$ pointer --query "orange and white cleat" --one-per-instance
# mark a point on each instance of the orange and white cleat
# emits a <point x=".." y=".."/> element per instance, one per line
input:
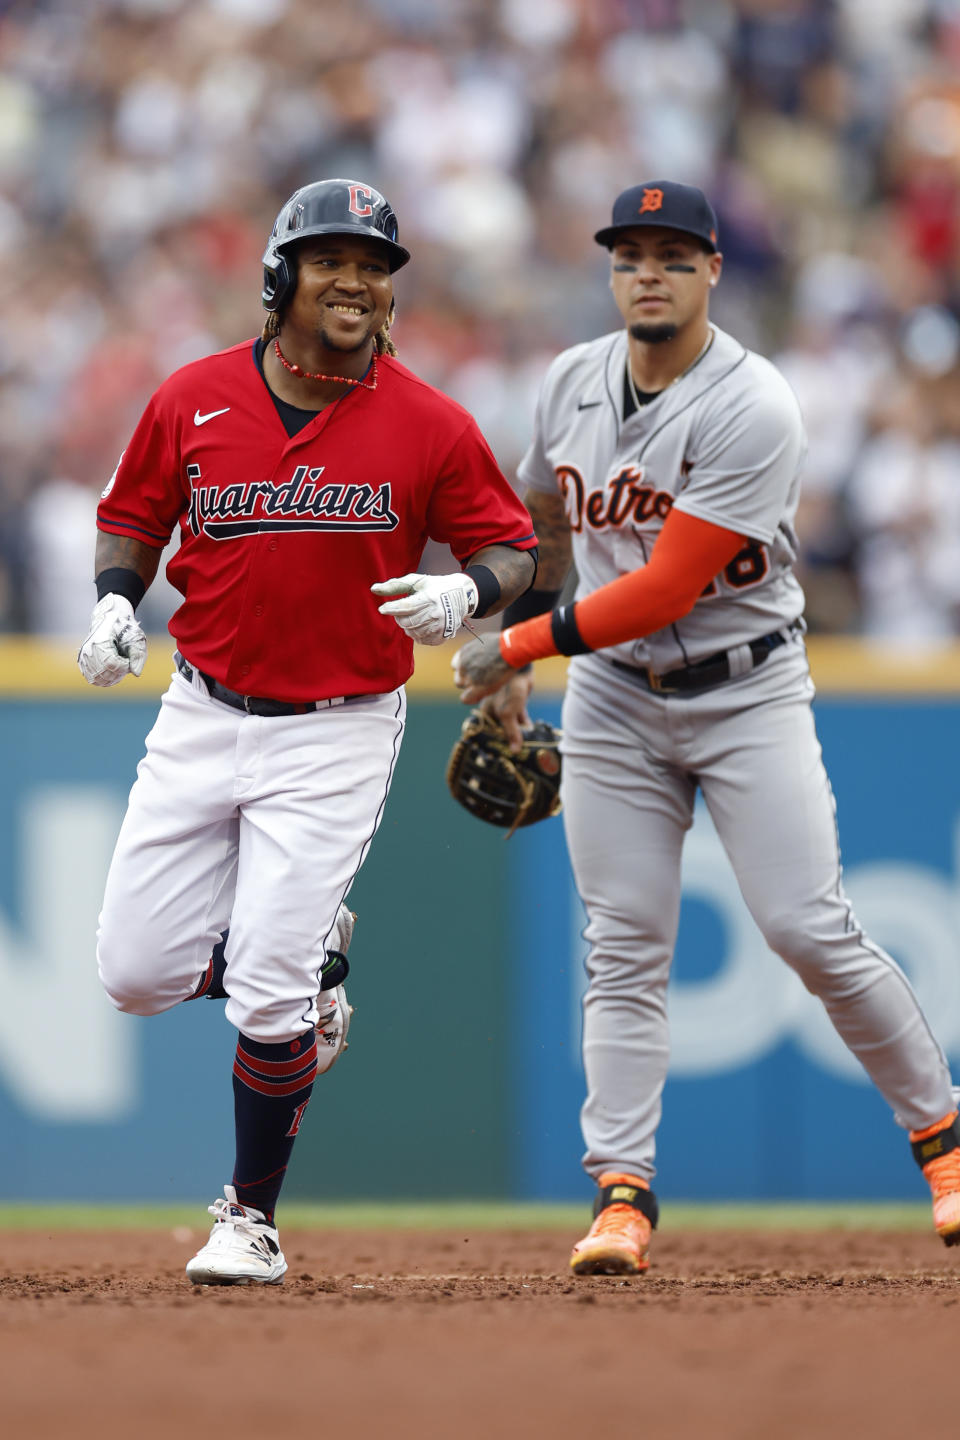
<point x="618" y="1240"/>
<point x="937" y="1151"/>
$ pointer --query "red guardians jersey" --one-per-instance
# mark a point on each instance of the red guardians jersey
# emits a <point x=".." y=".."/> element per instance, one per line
<point x="281" y="537"/>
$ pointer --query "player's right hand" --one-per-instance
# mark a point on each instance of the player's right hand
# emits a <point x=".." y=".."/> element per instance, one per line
<point x="116" y="646"/>
<point x="509" y="706"/>
<point x="430" y="608"/>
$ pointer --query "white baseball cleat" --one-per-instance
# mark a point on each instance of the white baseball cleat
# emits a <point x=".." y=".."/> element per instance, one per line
<point x="242" y="1250"/>
<point x="335" y="1011"/>
<point x="332" y="1028"/>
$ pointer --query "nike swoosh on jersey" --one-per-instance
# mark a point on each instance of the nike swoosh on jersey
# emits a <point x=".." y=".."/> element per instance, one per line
<point x="588" y="404"/>
<point x="199" y="419"/>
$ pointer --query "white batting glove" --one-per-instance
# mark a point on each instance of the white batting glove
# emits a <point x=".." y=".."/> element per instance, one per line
<point x="432" y="607"/>
<point x="116" y="646"/>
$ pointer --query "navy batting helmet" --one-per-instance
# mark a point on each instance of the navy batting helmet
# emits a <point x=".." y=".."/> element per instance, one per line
<point x="327" y="207"/>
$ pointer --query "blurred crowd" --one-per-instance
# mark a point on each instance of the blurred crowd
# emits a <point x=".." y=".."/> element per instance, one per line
<point x="146" y="145"/>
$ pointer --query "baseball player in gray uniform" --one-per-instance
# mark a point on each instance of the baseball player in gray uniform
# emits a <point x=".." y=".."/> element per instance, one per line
<point x="666" y="463"/>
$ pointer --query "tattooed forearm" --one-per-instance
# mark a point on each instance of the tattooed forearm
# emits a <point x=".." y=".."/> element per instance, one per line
<point x="513" y="568"/>
<point x="553" y="537"/>
<point x="120" y="550"/>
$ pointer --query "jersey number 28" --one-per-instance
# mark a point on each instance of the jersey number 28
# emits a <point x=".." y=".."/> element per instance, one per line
<point x="747" y="567"/>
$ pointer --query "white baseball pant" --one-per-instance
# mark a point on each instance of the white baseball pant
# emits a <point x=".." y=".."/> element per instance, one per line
<point x="632" y="764"/>
<point x="253" y="822"/>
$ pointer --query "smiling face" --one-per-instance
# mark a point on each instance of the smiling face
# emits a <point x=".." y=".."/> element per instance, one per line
<point x="343" y="295"/>
<point x="661" y="280"/>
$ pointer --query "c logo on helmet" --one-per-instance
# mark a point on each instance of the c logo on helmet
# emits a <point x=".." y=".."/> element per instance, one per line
<point x="360" y="206"/>
<point x="652" y="200"/>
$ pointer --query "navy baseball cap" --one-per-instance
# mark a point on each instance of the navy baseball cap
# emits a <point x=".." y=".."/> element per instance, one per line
<point x="662" y="202"/>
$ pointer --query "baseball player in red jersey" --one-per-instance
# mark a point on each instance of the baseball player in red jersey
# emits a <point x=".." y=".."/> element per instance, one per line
<point x="666" y="462"/>
<point x="305" y="472"/>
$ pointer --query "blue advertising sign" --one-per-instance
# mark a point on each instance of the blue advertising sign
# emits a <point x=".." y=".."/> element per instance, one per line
<point x="762" y="1100"/>
<point x="93" y="1104"/>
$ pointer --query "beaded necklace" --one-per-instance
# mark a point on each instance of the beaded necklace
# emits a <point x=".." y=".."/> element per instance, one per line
<point x="337" y="379"/>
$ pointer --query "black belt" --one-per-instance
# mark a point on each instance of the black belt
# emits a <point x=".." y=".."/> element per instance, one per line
<point x="256" y="704"/>
<point x="704" y="673"/>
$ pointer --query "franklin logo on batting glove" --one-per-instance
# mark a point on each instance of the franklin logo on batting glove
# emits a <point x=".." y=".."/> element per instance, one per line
<point x="430" y="608"/>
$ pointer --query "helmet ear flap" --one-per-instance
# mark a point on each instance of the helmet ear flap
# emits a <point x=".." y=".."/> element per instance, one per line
<point x="279" y="282"/>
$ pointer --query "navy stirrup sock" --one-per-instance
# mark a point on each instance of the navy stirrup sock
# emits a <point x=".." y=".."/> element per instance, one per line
<point x="333" y="971"/>
<point x="271" y="1087"/>
<point x="211" y="982"/>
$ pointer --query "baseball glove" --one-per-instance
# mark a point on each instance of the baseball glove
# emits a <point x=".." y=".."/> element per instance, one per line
<point x="500" y="786"/>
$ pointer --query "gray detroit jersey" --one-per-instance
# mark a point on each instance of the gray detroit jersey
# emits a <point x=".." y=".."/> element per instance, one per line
<point x="724" y="443"/>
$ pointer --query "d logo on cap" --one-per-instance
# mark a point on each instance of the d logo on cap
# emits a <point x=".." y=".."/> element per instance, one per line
<point x="665" y="203"/>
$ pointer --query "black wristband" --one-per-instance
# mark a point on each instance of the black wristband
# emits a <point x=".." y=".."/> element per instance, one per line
<point x="566" y="632"/>
<point x="529" y="605"/>
<point x="118" y="580"/>
<point x="488" y="588"/>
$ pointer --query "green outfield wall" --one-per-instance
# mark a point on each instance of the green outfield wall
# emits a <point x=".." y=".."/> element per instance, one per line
<point x="421" y="1103"/>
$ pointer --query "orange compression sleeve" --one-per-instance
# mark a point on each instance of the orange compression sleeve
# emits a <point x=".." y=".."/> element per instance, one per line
<point x="687" y="555"/>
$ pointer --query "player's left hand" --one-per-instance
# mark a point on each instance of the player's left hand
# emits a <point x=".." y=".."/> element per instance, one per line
<point x="508" y="706"/>
<point x="116" y="646"/>
<point x="431" y="608"/>
<point x="479" y="669"/>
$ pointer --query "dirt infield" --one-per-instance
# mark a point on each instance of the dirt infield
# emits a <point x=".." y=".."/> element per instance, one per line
<point x="464" y="1335"/>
